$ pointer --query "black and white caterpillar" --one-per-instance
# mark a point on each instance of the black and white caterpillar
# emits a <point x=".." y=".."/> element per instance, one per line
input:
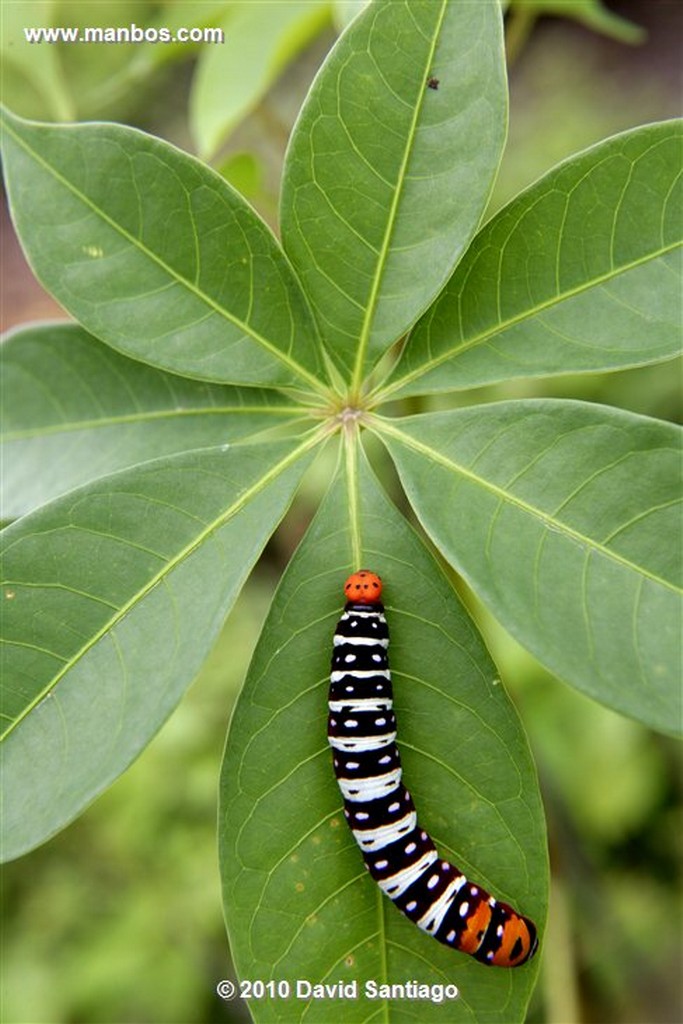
<point x="399" y="854"/>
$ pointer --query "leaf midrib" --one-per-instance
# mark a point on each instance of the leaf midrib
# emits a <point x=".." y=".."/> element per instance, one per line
<point x="381" y="426"/>
<point x="393" y="212"/>
<point x="147" y="417"/>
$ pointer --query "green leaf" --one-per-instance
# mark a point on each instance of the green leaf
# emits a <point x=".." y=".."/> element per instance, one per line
<point x="61" y="80"/>
<point x="260" y="40"/>
<point x="344" y="11"/>
<point x="87" y="67"/>
<point x="64" y="79"/>
<point x="386" y="178"/>
<point x="595" y="15"/>
<point x="32" y="75"/>
<point x="244" y="171"/>
<point x="155" y="254"/>
<point x="73" y="409"/>
<point x="579" y="273"/>
<point x="563" y="517"/>
<point x="298" y="900"/>
<point x="111" y="598"/>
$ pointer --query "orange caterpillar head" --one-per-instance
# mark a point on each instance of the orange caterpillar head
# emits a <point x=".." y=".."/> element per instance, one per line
<point x="363" y="587"/>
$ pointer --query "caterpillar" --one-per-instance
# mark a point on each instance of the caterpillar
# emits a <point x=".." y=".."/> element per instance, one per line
<point x="398" y="853"/>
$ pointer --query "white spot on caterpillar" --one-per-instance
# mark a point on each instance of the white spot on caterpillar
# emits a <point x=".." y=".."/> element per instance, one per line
<point x="411" y="905"/>
<point x="411" y="848"/>
<point x="431" y="882"/>
<point x="450" y="936"/>
<point x="464" y="909"/>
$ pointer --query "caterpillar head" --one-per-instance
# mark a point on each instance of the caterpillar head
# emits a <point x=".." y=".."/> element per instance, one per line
<point x="363" y="587"/>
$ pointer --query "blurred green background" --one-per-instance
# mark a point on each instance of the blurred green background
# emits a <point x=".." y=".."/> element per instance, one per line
<point x="118" y="919"/>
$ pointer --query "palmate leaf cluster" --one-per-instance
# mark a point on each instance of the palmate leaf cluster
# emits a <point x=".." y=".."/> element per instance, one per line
<point x="151" y="448"/>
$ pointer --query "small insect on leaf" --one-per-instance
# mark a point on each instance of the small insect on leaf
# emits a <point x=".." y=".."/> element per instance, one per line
<point x="433" y="83"/>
